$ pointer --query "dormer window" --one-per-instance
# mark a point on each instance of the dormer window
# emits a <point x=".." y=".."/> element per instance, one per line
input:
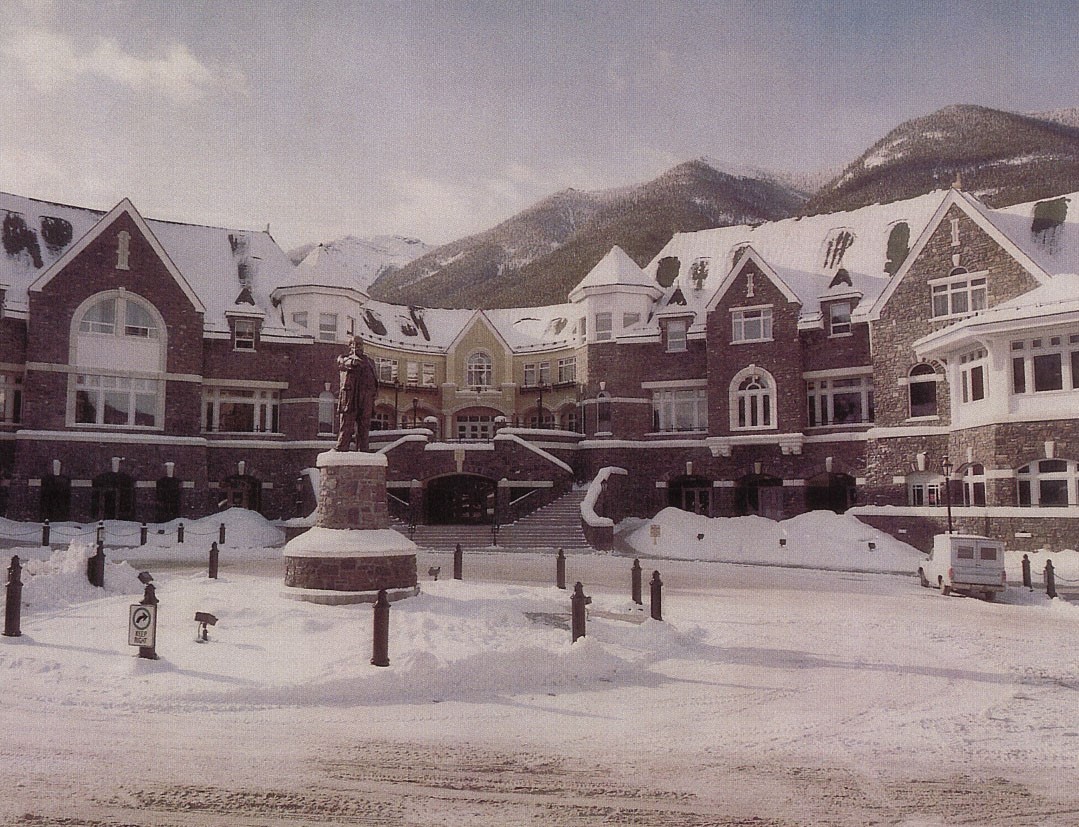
<point x="676" y="335"/>
<point x="244" y="334"/>
<point x="839" y="319"/>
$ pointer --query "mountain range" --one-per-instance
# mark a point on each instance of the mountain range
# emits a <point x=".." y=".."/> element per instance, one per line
<point x="538" y="255"/>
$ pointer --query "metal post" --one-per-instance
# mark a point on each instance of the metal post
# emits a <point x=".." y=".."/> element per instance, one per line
<point x="180" y="533"/>
<point x="142" y="534"/>
<point x="458" y="562"/>
<point x="636" y="582"/>
<point x="560" y="569"/>
<point x="381" y="649"/>
<point x="221" y="534"/>
<point x="149" y="598"/>
<point x="946" y="470"/>
<point x="1050" y="579"/>
<point x="100" y="533"/>
<point x="45" y="533"/>
<point x="1026" y="573"/>
<point x="13" y="606"/>
<point x="657" y="597"/>
<point x="577" y="602"/>
<point x="95" y="566"/>
<point x="214" y="555"/>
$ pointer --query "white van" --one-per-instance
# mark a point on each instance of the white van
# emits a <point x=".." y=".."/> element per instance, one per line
<point x="966" y="563"/>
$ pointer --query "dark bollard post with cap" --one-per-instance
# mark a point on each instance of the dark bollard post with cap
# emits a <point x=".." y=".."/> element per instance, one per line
<point x="13" y="606"/>
<point x="180" y="533"/>
<point x="95" y="567"/>
<point x="214" y="554"/>
<point x="45" y="533"/>
<point x="221" y="534"/>
<point x="635" y="582"/>
<point x="1050" y="579"/>
<point x="560" y="569"/>
<point x="657" y="596"/>
<point x="142" y="534"/>
<point x="458" y="562"/>
<point x="578" y="600"/>
<point x="1026" y="573"/>
<point x="149" y="599"/>
<point x="381" y="649"/>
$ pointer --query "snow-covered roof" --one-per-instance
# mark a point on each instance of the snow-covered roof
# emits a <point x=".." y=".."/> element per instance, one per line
<point x="1035" y="230"/>
<point x="216" y="262"/>
<point x="534" y="328"/>
<point x="614" y="269"/>
<point x="806" y="253"/>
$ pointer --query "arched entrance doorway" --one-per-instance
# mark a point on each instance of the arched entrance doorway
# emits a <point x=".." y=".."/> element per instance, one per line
<point x="830" y="492"/>
<point x="760" y="494"/>
<point x="241" y="491"/>
<point x="112" y="497"/>
<point x="460" y="498"/>
<point x="691" y="493"/>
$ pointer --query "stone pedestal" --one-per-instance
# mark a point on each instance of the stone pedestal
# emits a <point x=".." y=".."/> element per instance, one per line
<point x="351" y="552"/>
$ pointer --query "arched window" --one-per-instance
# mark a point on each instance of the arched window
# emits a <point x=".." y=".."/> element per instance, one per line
<point x="922" y="388"/>
<point x="752" y="400"/>
<point x="118" y="350"/>
<point x="1049" y="483"/>
<point x="974" y="484"/>
<point x="479" y="370"/>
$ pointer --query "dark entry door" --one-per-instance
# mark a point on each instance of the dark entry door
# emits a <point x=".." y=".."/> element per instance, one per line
<point x="460" y="499"/>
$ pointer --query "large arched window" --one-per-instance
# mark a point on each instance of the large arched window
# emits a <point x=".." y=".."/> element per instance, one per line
<point x="117" y="346"/>
<point x="479" y="370"/>
<point x="752" y="400"/>
<point x="922" y="388"/>
<point x="1049" y="483"/>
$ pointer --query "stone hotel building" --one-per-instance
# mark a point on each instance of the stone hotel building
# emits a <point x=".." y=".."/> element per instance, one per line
<point x="901" y="361"/>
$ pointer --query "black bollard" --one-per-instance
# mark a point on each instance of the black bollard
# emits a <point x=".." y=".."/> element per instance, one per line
<point x="381" y="648"/>
<point x="1050" y="579"/>
<point x="1026" y="573"/>
<point x="635" y="582"/>
<point x="95" y="566"/>
<point x="657" y="597"/>
<point x="214" y="554"/>
<point x="142" y="534"/>
<point x="45" y="533"/>
<point x="458" y="562"/>
<point x="560" y="569"/>
<point x="13" y="606"/>
<point x="149" y="598"/>
<point x="221" y="534"/>
<point x="577" y="602"/>
<point x="180" y="533"/>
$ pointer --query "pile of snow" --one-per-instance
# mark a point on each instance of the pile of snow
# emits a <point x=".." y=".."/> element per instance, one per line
<point x="818" y="539"/>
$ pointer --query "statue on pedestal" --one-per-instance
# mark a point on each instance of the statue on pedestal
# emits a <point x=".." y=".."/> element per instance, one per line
<point x="356" y="398"/>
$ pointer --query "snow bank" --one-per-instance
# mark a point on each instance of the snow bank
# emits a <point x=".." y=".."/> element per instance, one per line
<point x="818" y="539"/>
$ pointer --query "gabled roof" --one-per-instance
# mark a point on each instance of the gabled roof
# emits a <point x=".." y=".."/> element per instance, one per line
<point x="616" y="269"/>
<point x="751" y="255"/>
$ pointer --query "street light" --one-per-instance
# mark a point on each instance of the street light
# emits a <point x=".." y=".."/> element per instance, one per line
<point x="396" y="390"/>
<point x="415" y="411"/>
<point x="539" y="406"/>
<point x="946" y="470"/>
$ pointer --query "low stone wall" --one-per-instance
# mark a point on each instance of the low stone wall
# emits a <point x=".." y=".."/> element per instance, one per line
<point x="351" y="574"/>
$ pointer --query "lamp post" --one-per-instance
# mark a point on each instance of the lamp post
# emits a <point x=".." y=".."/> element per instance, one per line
<point x="396" y="390"/>
<point x="946" y="470"/>
<point x="415" y="411"/>
<point x="539" y="406"/>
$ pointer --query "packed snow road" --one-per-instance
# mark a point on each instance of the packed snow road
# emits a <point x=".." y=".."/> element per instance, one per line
<point x="768" y="696"/>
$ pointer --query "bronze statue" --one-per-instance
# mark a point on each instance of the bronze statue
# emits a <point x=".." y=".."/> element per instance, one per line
<point x="356" y="398"/>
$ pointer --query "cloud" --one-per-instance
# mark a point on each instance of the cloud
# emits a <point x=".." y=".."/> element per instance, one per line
<point x="50" y="60"/>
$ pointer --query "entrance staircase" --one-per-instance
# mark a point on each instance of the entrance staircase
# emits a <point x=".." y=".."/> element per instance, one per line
<point x="555" y="525"/>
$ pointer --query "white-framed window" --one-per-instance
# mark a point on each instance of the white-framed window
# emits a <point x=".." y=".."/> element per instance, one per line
<point x="1048" y="363"/>
<point x="382" y="421"/>
<point x="960" y="294"/>
<point x="475" y="426"/>
<point x="387" y="369"/>
<point x="116" y="400"/>
<point x="479" y="370"/>
<point x="839" y="319"/>
<point x="840" y="401"/>
<point x="680" y="409"/>
<point x="751" y="324"/>
<point x="300" y="319"/>
<point x="922" y="390"/>
<point x="327" y="327"/>
<point x="676" y="335"/>
<point x="924" y="488"/>
<point x="567" y="369"/>
<point x="427" y="374"/>
<point x="1049" y="483"/>
<point x="630" y="319"/>
<point x="327" y="408"/>
<point x="604" y="327"/>
<point x="752" y="400"/>
<point x="537" y="373"/>
<point x="240" y="410"/>
<point x="244" y="332"/>
<point x="103" y="317"/>
<point x="10" y="397"/>
<point x="972" y="376"/>
<point x="412" y="373"/>
<point x="974" y="484"/>
<point x="582" y="327"/>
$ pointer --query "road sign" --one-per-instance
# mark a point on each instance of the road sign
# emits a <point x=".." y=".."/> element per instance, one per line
<point x="142" y="625"/>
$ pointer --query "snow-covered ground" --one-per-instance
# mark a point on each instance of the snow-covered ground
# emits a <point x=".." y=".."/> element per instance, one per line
<point x="817" y="689"/>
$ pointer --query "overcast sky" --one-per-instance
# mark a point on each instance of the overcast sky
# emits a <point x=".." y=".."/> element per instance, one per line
<point x="439" y="119"/>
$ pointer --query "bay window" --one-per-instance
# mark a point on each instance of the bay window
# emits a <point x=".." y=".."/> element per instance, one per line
<point x="240" y="410"/>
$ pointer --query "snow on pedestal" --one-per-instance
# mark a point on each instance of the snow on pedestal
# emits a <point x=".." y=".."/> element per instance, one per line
<point x="351" y="552"/>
